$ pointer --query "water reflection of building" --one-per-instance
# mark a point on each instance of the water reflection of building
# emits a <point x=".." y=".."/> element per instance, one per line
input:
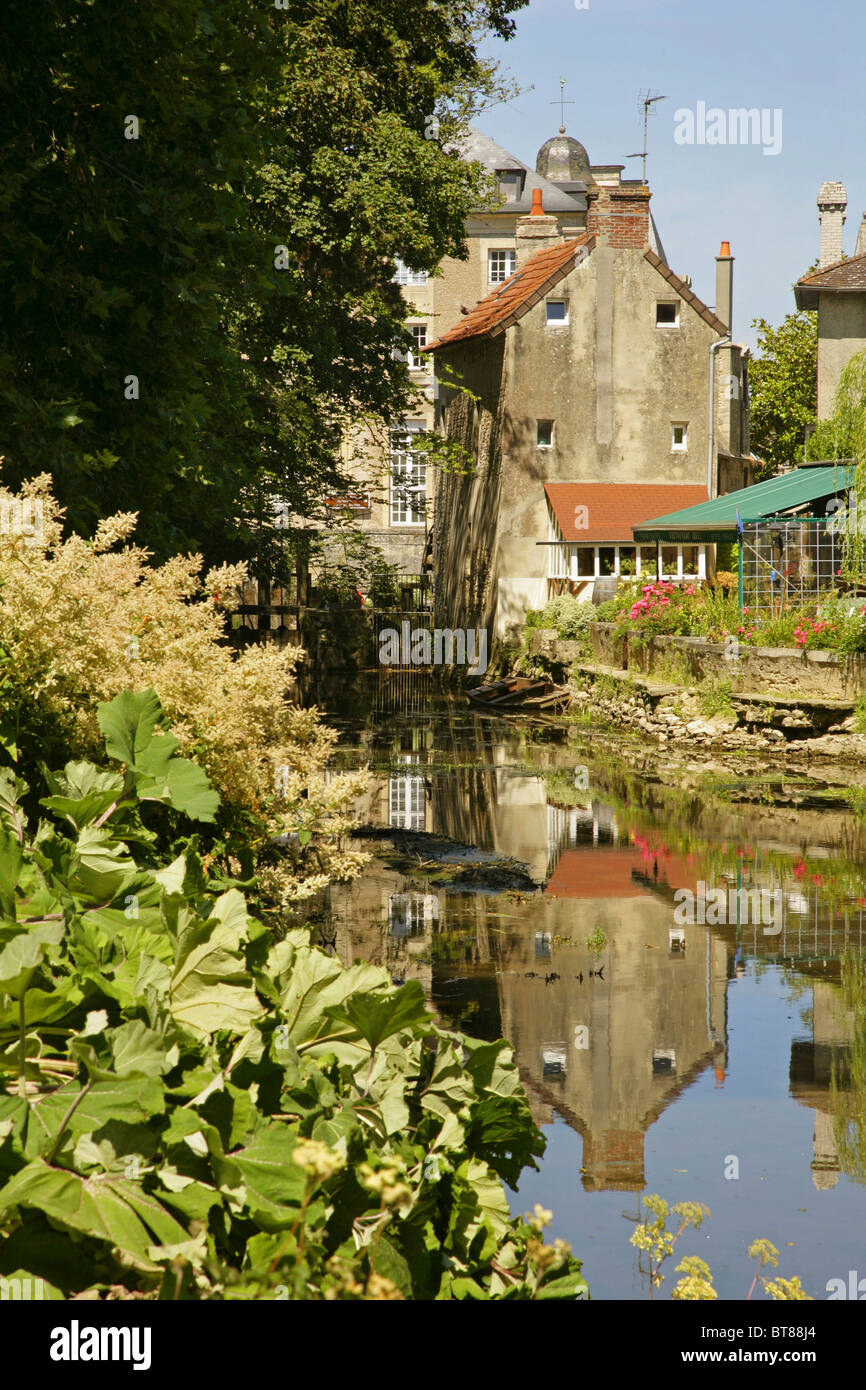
<point x="814" y="1062"/>
<point x="609" y="1052"/>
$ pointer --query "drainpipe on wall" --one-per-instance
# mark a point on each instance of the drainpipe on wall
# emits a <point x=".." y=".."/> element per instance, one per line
<point x="723" y="342"/>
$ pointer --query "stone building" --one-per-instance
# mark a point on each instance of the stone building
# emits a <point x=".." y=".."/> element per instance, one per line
<point x="393" y="504"/>
<point x="837" y="289"/>
<point x="589" y="368"/>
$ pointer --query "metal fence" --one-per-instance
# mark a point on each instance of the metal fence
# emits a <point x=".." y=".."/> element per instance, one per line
<point x="786" y="564"/>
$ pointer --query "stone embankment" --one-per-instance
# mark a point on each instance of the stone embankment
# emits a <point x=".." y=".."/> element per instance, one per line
<point x="713" y="713"/>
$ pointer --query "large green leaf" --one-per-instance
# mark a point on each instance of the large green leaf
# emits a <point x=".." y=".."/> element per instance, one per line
<point x="112" y="1209"/>
<point x="128" y="723"/>
<point x="211" y="988"/>
<point x="132" y="724"/>
<point x="21" y="957"/>
<point x="274" y="1185"/>
<point x="377" y="1017"/>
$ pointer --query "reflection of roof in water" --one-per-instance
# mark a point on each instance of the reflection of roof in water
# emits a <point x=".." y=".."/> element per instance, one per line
<point x="615" y="873"/>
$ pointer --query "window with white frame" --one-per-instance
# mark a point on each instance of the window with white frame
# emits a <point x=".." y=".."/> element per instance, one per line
<point x="556" y="313"/>
<point x="406" y="802"/>
<point x="418" y="331"/>
<point x="500" y="265"/>
<point x="578" y="562"/>
<point x="667" y="314"/>
<point x="404" y="276"/>
<point x="408" y="466"/>
<point x="679" y="436"/>
<point x="544" y="434"/>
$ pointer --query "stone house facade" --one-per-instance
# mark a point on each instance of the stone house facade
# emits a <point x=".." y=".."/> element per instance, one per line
<point x="593" y="365"/>
<point x="837" y="289"/>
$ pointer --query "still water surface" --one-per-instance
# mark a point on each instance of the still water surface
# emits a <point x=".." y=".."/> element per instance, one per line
<point x="709" y="1061"/>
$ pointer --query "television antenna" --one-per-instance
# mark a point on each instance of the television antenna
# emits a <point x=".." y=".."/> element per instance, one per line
<point x="646" y="100"/>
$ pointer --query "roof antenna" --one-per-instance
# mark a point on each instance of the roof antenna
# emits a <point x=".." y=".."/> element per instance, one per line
<point x="562" y="103"/>
<point x="646" y="100"/>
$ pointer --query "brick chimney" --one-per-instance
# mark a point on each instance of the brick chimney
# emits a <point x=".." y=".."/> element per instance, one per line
<point x="725" y="284"/>
<point x="832" y="202"/>
<point x="619" y="215"/>
<point x="860" y="248"/>
<point x="537" y="231"/>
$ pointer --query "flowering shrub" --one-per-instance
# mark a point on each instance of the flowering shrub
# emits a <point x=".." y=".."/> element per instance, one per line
<point x="81" y="621"/>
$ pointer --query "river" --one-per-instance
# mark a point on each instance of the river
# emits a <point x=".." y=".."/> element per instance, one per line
<point x="671" y="980"/>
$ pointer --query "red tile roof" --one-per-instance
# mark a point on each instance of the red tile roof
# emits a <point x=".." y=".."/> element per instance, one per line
<point x="849" y="274"/>
<point x="682" y="289"/>
<point x="517" y="295"/>
<point x="612" y="509"/>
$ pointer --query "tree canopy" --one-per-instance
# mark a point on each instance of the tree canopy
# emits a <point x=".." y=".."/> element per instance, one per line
<point x="783" y="381"/>
<point x="199" y="214"/>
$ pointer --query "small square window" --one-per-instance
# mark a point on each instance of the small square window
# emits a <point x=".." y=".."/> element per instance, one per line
<point x="544" y="434"/>
<point x="680" y="437"/>
<point x="557" y="311"/>
<point x="667" y="315"/>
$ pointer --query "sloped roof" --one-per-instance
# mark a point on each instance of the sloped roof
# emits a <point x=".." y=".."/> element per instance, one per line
<point x="848" y="275"/>
<point x="685" y="293"/>
<point x="612" y="509"/>
<point x="716" y="517"/>
<point x="516" y="295"/>
<point x="477" y="146"/>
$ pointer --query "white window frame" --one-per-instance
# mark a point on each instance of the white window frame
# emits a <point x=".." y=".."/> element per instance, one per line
<point x="408" y="473"/>
<point x="407" y="801"/>
<point x="684" y="426"/>
<point x="674" y="303"/>
<point x="417" y="363"/>
<point x="404" y="276"/>
<point x="496" y="251"/>
<point x="556" y="323"/>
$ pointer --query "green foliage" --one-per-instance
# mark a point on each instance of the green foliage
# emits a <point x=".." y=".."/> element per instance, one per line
<point x="568" y="616"/>
<point x="195" y="1108"/>
<point x="653" y="1237"/>
<point x="234" y="253"/>
<point x="597" y="940"/>
<point x="715" y="698"/>
<point x="783" y="388"/>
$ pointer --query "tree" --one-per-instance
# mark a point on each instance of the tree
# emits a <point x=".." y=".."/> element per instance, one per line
<point x="200" y="209"/>
<point x="783" y="382"/>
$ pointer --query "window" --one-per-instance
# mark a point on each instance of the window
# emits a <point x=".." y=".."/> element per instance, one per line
<point x="557" y="311"/>
<point x="500" y="265"/>
<point x="647" y="554"/>
<point x="606" y="559"/>
<point x="544" y="434"/>
<point x="586" y="562"/>
<point x="510" y="184"/>
<point x="404" y="276"/>
<point x="419" y="342"/>
<point x="670" y="561"/>
<point x="408" y="478"/>
<point x="406" y="802"/>
<point x="690" y="560"/>
<point x="667" y="315"/>
<point x="679" y="437"/>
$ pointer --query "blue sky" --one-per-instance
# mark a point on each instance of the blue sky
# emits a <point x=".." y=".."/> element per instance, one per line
<point x="806" y="60"/>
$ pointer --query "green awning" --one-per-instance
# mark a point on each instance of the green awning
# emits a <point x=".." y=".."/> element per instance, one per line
<point x="716" y="519"/>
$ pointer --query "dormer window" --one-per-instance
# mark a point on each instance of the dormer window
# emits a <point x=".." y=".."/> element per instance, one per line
<point x="510" y="184"/>
<point x="404" y="276"/>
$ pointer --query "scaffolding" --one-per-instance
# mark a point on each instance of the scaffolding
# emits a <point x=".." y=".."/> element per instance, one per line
<point x="787" y="563"/>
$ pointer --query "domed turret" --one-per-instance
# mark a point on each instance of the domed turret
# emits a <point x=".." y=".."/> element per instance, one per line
<point x="563" y="160"/>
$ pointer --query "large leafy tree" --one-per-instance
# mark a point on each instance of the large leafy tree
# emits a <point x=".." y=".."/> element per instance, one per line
<point x="784" y="392"/>
<point x="200" y="208"/>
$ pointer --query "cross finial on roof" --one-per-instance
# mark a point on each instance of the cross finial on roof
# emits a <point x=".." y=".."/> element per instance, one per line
<point x="562" y="103"/>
